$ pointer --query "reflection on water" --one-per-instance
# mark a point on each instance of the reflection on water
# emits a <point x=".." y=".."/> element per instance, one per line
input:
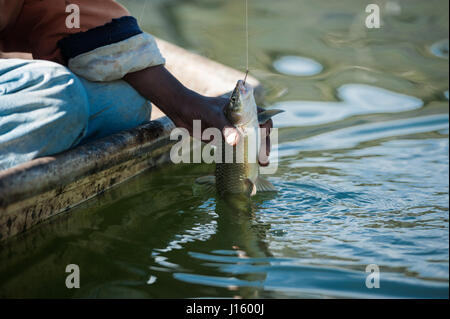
<point x="356" y="99"/>
<point x="440" y="49"/>
<point x="353" y="136"/>
<point x="295" y="65"/>
<point x="362" y="178"/>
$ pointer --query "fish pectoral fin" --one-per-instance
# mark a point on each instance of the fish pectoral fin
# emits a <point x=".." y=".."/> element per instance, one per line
<point x="263" y="185"/>
<point x="266" y="115"/>
<point x="205" y="185"/>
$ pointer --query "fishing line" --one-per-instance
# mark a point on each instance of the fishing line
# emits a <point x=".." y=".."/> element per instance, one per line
<point x="143" y="10"/>
<point x="246" y="38"/>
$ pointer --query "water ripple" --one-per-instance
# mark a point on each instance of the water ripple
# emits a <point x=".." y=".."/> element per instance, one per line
<point x="296" y="65"/>
<point x="298" y="280"/>
<point x="352" y="136"/>
<point x="356" y="99"/>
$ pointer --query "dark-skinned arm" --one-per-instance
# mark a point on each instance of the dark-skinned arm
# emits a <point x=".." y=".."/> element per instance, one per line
<point x="183" y="106"/>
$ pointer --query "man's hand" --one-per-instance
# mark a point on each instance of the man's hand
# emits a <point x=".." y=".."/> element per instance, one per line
<point x="183" y="106"/>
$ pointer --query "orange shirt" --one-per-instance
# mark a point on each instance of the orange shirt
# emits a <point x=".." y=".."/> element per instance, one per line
<point x="40" y="24"/>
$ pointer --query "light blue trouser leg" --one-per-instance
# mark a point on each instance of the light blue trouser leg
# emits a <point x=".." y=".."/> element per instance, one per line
<point x="114" y="106"/>
<point x="45" y="109"/>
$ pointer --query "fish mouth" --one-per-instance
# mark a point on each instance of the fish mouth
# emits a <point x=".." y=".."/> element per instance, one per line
<point x="243" y="88"/>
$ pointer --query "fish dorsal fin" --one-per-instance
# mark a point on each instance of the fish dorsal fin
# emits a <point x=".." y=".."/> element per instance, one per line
<point x="263" y="185"/>
<point x="205" y="185"/>
<point x="266" y="115"/>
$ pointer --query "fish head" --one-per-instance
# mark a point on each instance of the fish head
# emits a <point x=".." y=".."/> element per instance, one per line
<point x="242" y="107"/>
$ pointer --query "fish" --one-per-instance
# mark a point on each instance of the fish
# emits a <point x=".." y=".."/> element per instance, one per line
<point x="241" y="174"/>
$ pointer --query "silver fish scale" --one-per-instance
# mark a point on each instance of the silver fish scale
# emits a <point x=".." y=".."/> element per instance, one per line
<point x="235" y="178"/>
